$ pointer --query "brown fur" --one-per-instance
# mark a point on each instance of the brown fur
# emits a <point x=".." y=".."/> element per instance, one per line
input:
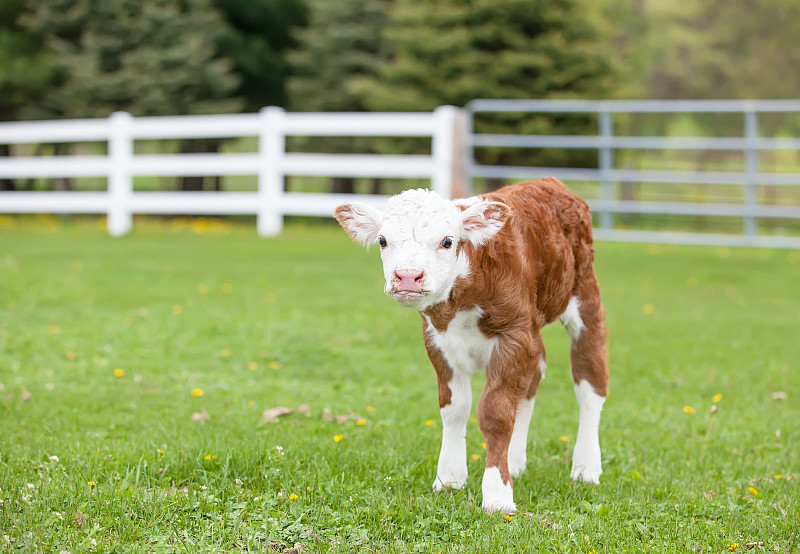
<point x="523" y="279"/>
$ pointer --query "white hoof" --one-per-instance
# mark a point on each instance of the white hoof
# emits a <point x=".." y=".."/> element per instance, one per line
<point x="441" y="483"/>
<point x="587" y="473"/>
<point x="497" y="496"/>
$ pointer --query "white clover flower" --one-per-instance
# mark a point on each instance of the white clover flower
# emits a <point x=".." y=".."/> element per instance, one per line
<point x="31" y="486"/>
<point x="53" y="459"/>
<point x="59" y="516"/>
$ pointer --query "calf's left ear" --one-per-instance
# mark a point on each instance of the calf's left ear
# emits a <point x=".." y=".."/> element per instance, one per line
<point x="361" y="221"/>
<point x="483" y="220"/>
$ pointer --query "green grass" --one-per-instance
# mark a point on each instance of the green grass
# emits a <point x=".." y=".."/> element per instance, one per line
<point x="135" y="473"/>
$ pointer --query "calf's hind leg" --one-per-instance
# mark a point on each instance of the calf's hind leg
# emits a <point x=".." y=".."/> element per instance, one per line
<point x="589" y="357"/>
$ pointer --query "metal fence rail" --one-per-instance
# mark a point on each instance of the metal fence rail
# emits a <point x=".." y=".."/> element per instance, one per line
<point x="270" y="203"/>
<point x="606" y="174"/>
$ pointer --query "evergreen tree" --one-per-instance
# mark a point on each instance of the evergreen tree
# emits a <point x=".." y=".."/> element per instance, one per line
<point x="453" y="51"/>
<point x="24" y="70"/>
<point x="342" y="44"/>
<point x="147" y="57"/>
<point x="257" y="36"/>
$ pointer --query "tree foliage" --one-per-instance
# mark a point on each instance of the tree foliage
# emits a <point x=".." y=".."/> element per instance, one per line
<point x="24" y="66"/>
<point x="147" y="57"/>
<point x="343" y="43"/>
<point x="452" y="51"/>
<point x="257" y="36"/>
<point x="724" y="49"/>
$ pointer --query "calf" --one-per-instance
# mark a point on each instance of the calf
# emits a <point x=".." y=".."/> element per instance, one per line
<point x="487" y="273"/>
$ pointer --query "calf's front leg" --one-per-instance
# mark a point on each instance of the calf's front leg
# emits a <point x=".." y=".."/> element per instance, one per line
<point x="455" y="401"/>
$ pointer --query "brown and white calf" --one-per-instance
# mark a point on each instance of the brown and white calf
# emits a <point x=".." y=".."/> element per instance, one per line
<point x="487" y="273"/>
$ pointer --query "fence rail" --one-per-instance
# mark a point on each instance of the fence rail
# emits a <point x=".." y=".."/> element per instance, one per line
<point x="607" y="174"/>
<point x="450" y="166"/>
<point x="270" y="203"/>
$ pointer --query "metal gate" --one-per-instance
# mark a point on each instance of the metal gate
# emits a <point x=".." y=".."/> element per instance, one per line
<point x="764" y="211"/>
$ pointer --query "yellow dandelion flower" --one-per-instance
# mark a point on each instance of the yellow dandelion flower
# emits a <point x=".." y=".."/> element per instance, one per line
<point x="225" y="352"/>
<point x="564" y="438"/>
<point x="473" y="419"/>
<point x="53" y="329"/>
<point x="119" y="373"/>
<point x="688" y="410"/>
<point x="509" y="517"/>
<point x="428" y="422"/>
<point x="293" y="496"/>
<point x="754" y="492"/>
<point x="92" y="484"/>
<point x="197" y="392"/>
<point x="160" y="452"/>
<point x="252" y="366"/>
<point x="207" y="457"/>
<point x="227" y="288"/>
<point x="274" y="364"/>
<point x="202" y="288"/>
<point x="251" y="404"/>
<point x="733" y="546"/>
<point x="371" y="409"/>
<point x="361" y="422"/>
<point x="648" y="309"/>
<point x="778" y="476"/>
<point x="483" y="445"/>
<point x="476" y="457"/>
<point x="72" y="356"/>
<point x="717" y="397"/>
<point x="177" y="309"/>
<point x="338" y="438"/>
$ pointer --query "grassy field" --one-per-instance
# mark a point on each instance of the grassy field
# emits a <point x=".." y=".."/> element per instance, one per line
<point x="134" y="373"/>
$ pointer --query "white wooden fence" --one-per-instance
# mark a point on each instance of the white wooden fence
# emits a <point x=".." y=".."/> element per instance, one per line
<point x="270" y="203"/>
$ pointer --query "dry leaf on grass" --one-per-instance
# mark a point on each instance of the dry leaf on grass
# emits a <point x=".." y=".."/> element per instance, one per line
<point x="304" y="409"/>
<point x="327" y="415"/>
<point x="271" y="414"/>
<point x="200" y="416"/>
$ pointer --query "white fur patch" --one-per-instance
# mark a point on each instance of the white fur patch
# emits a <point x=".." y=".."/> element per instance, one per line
<point x="517" y="448"/>
<point x="571" y="318"/>
<point x="466" y="349"/>
<point x="542" y="366"/>
<point x="451" y="472"/>
<point x="497" y="496"/>
<point x="586" y="464"/>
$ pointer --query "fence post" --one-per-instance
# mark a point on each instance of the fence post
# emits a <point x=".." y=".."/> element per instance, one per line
<point x="271" y="148"/>
<point x="606" y="165"/>
<point x="467" y="150"/>
<point x="751" y="170"/>
<point x="443" y="150"/>
<point x="120" y="179"/>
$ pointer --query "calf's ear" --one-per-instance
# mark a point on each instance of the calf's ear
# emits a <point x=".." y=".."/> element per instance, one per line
<point x="483" y="220"/>
<point x="361" y="221"/>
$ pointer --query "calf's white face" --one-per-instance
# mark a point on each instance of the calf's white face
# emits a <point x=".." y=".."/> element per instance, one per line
<point x="419" y="237"/>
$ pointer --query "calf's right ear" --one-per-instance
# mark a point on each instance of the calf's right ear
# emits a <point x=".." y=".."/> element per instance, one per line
<point x="361" y="221"/>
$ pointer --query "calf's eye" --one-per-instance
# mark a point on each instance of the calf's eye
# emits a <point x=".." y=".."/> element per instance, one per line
<point x="382" y="242"/>
<point x="447" y="242"/>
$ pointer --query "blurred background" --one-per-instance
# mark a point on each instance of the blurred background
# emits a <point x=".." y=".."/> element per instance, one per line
<point x="88" y="58"/>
